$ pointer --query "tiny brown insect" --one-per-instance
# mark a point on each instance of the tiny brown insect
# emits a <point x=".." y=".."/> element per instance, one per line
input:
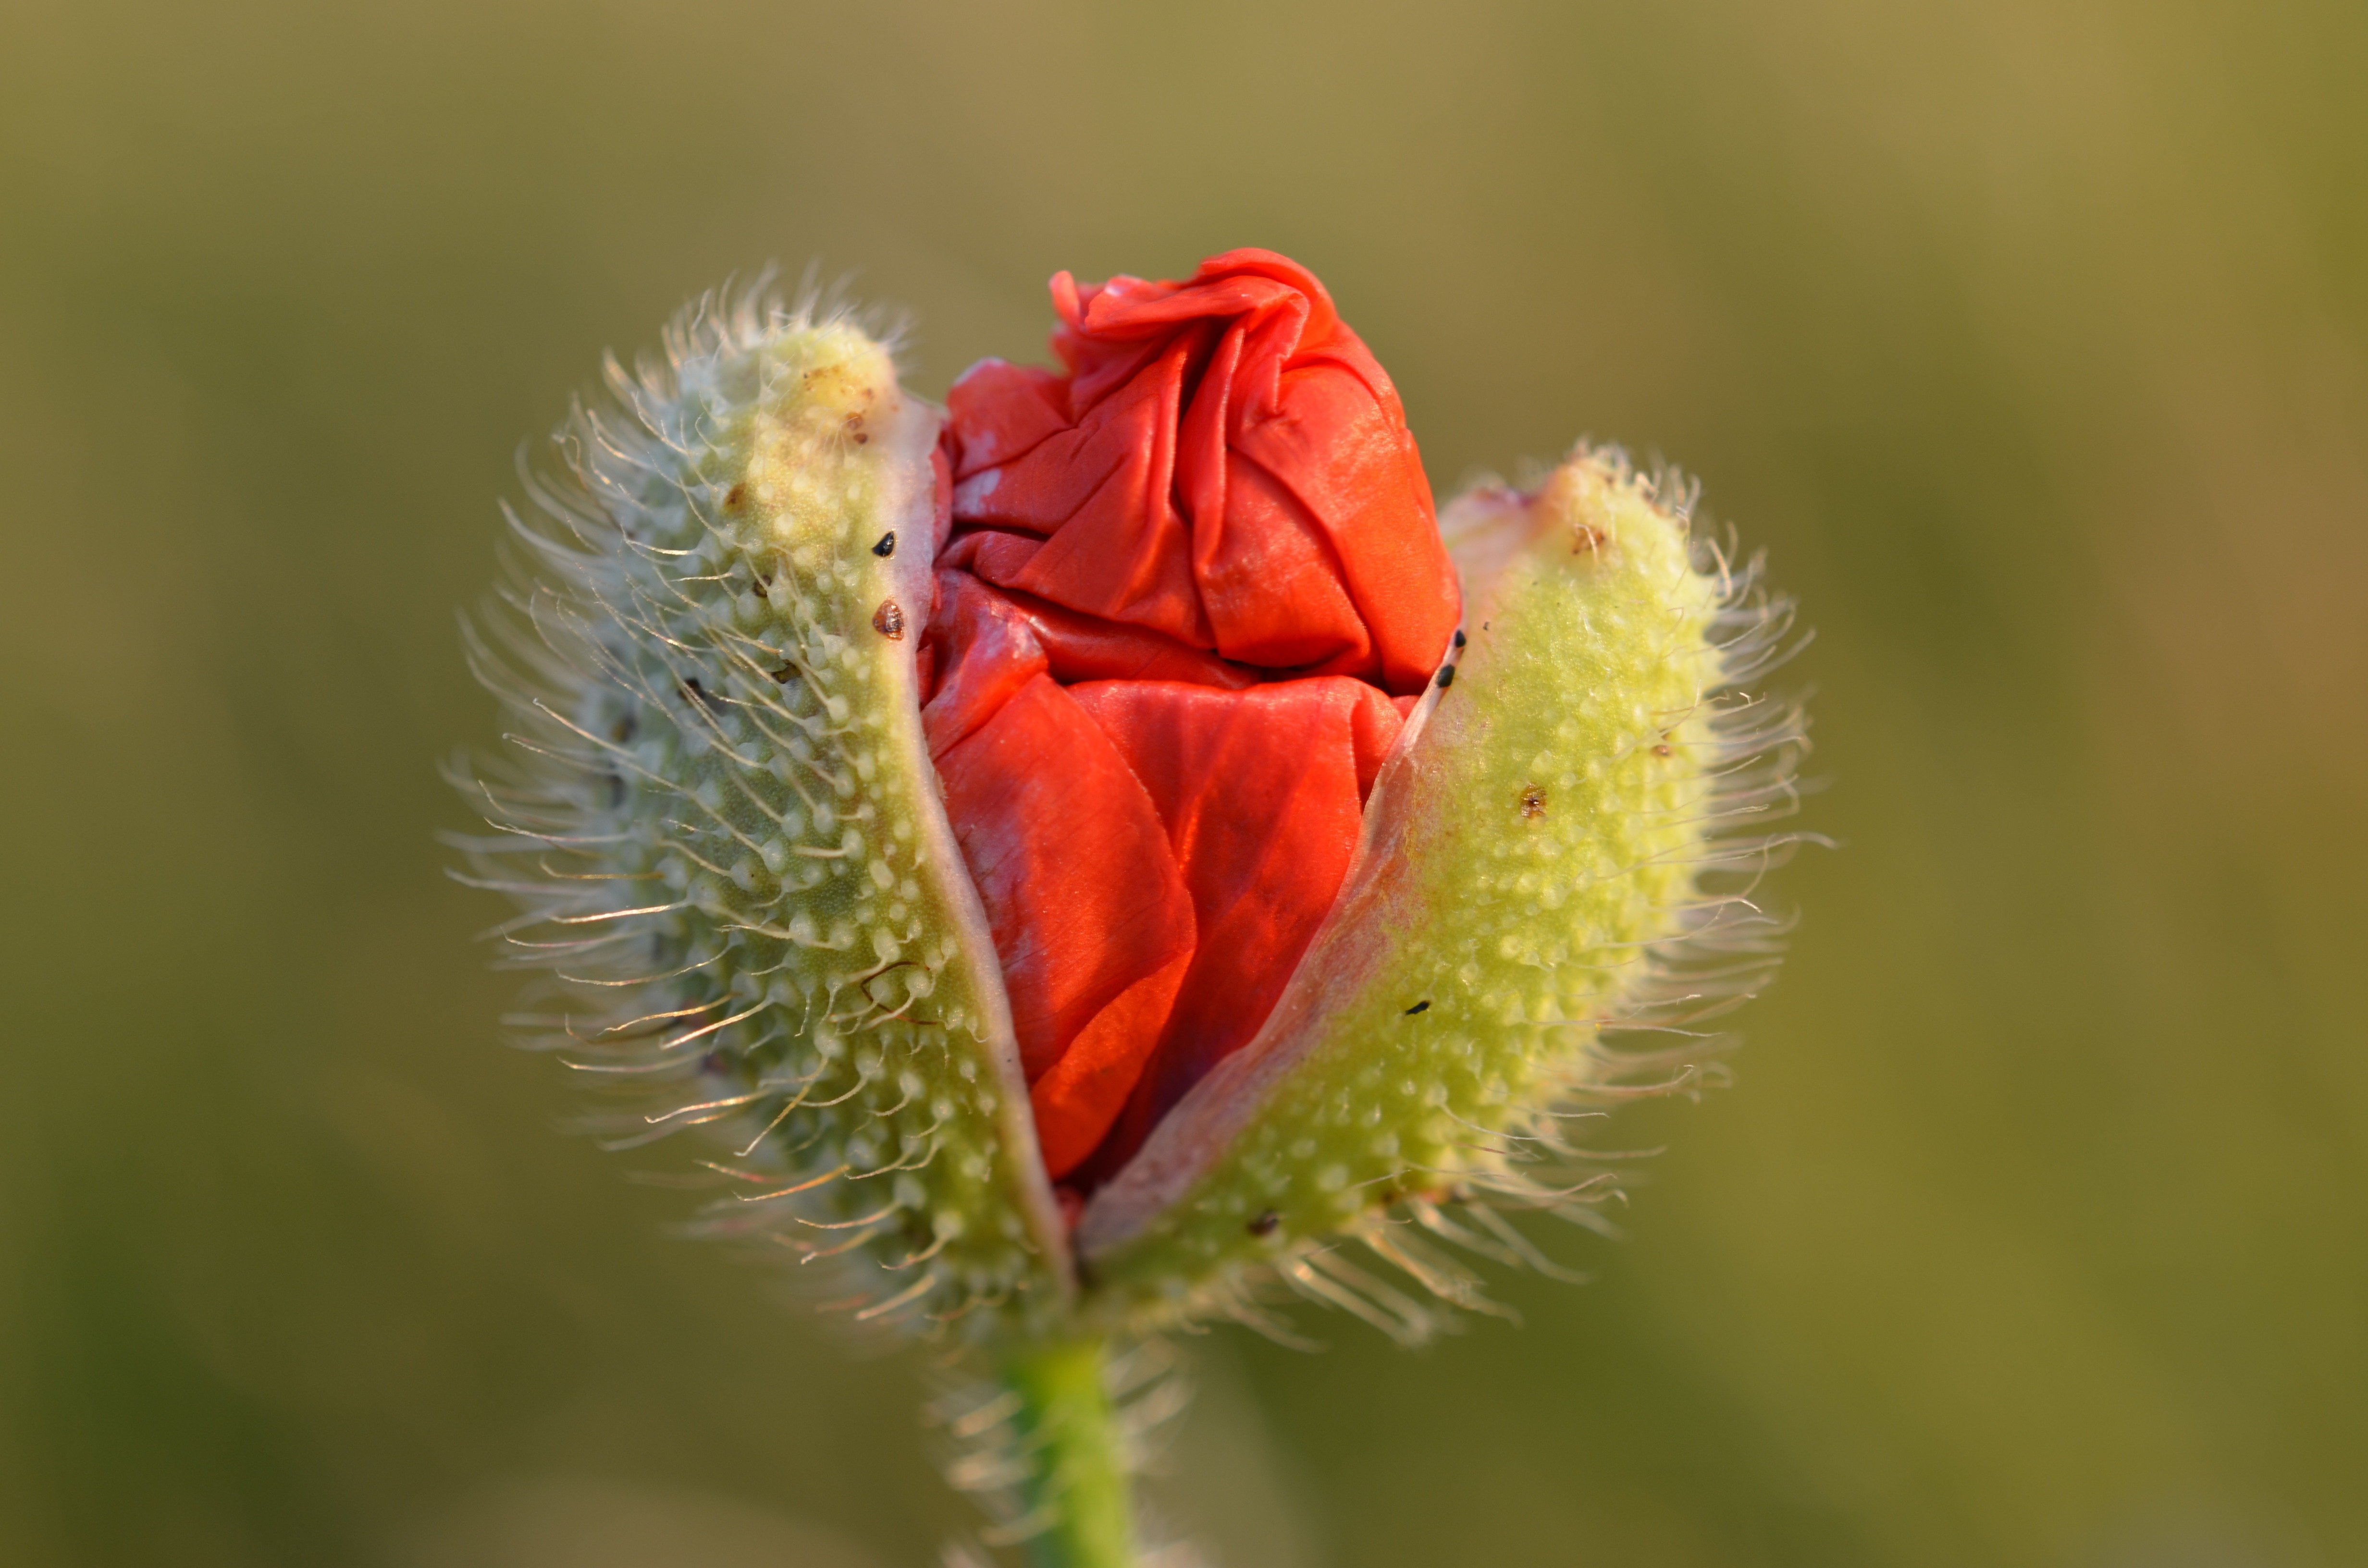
<point x="1265" y="1223"/>
<point x="1533" y="801"/>
<point x="889" y="620"/>
<point x="736" y="499"/>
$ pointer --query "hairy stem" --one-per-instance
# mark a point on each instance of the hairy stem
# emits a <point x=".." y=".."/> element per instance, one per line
<point x="1079" y="1492"/>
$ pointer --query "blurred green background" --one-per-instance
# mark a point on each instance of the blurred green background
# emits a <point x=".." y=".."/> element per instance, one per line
<point x="2030" y="336"/>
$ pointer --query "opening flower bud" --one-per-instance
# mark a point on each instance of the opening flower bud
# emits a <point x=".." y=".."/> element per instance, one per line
<point x="1195" y="583"/>
<point x="1097" y="841"/>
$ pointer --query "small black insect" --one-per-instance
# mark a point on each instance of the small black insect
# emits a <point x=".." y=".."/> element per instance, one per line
<point x="1459" y="639"/>
<point x="1421" y="1007"/>
<point x="1265" y="1223"/>
<point x="887" y="545"/>
<point x="1446" y="677"/>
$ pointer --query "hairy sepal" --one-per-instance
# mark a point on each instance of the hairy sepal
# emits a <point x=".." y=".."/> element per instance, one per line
<point x="727" y="835"/>
<point x="1530" y="875"/>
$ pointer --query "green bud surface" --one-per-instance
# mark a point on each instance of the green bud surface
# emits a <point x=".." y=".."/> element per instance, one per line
<point x="726" y="834"/>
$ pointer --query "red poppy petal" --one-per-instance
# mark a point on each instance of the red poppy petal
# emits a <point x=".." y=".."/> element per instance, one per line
<point x="1077" y="1102"/>
<point x="1261" y="793"/>
<point x="1373" y="727"/>
<point x="1355" y="469"/>
<point x="1082" y="647"/>
<point x="1220" y="491"/>
<point x="1082" y="893"/>
<point x="1239" y="476"/>
<point x="1000" y="410"/>
<point x="1271" y="580"/>
<point x="991" y="553"/>
<point x="1101" y="495"/>
<point x="982" y="651"/>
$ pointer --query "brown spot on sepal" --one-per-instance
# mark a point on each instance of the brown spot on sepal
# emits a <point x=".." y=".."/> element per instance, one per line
<point x="736" y="499"/>
<point x="889" y="620"/>
<point x="1533" y="801"/>
<point x="1264" y="1225"/>
<point x="1588" y="539"/>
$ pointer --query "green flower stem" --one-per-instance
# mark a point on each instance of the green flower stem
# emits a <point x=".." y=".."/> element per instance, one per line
<point x="1081" y="1491"/>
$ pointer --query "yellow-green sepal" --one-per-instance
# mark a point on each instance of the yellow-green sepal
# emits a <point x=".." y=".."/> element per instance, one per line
<point x="1536" y="835"/>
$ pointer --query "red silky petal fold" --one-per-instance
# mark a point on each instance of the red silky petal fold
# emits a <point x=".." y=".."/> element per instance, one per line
<point x="1008" y="637"/>
<point x="1099" y="496"/>
<point x="1261" y="793"/>
<point x="1080" y="647"/>
<point x="1083" y="898"/>
<point x="1238" y="475"/>
<point x="1271" y="583"/>
<point x="984" y="651"/>
<point x="1373" y="728"/>
<point x="999" y="410"/>
<point x="1079" y="1099"/>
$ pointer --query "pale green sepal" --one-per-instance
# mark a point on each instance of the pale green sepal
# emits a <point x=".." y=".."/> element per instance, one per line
<point x="728" y="835"/>
<point x="1530" y="857"/>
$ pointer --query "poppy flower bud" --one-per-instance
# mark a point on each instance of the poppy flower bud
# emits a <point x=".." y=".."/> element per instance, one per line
<point x="1091" y="847"/>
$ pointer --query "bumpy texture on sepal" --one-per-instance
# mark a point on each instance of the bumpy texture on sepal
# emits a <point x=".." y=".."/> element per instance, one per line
<point x="726" y="834"/>
<point x="1532" y="877"/>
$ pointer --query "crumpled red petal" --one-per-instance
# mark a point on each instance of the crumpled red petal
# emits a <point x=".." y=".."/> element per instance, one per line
<point x="1086" y="902"/>
<point x="1191" y="588"/>
<point x="1227" y="464"/>
<point x="1261" y="793"/>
